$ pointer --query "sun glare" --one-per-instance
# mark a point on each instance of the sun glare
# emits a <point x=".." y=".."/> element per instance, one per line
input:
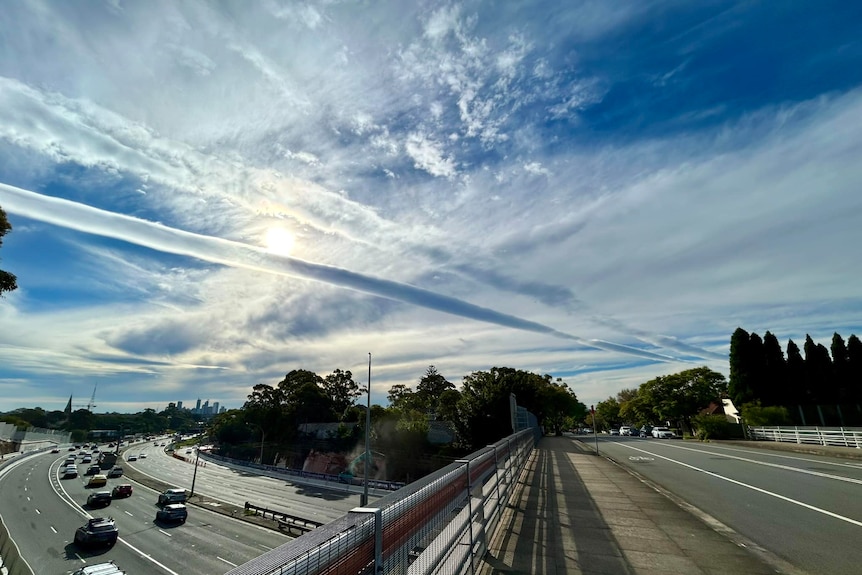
<point x="279" y="241"/>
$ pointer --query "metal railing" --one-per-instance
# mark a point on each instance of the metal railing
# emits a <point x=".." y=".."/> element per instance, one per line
<point x="437" y="525"/>
<point x="837" y="436"/>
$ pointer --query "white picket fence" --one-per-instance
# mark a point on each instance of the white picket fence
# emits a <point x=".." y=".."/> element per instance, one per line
<point x="837" y="436"/>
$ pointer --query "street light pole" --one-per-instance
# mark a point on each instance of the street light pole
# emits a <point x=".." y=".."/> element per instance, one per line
<point x="195" y="473"/>
<point x="363" y="501"/>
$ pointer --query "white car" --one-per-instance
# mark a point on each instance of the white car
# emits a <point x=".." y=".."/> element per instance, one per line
<point x="663" y="433"/>
<point x="625" y="430"/>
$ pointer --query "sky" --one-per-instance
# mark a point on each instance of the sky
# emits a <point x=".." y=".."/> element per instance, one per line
<point x="207" y="195"/>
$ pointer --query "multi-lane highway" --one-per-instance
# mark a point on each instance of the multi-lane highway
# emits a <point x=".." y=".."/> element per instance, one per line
<point x="806" y="509"/>
<point x="42" y="511"/>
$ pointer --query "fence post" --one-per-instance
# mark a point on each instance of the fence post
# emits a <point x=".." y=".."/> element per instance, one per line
<point x="469" y="512"/>
<point x="378" y="535"/>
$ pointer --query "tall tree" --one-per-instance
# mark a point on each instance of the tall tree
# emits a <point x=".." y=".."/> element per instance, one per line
<point x="431" y="386"/>
<point x="609" y="410"/>
<point x="342" y="391"/>
<point x="680" y="396"/>
<point x="8" y="282"/>
<point x="796" y="389"/>
<point x="854" y="367"/>
<point x="775" y="374"/>
<point x="818" y="372"/>
<point x="757" y="367"/>
<point x="840" y="368"/>
<point x="740" y="387"/>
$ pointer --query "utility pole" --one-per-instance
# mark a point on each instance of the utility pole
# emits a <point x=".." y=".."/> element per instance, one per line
<point x="363" y="501"/>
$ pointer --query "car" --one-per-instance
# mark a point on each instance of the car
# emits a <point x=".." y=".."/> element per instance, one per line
<point x="663" y="433"/>
<point x="122" y="490"/>
<point x="96" y="449"/>
<point x="70" y="471"/>
<point x="170" y="496"/>
<point x="132" y="458"/>
<point x="188" y="450"/>
<point x="93" y="470"/>
<point x="97" y="481"/>
<point x="587" y="430"/>
<point x="116" y="472"/>
<point x="73" y="448"/>
<point x="615" y="431"/>
<point x="172" y="513"/>
<point x="71" y="460"/>
<point x="109" y="568"/>
<point x="55" y="450"/>
<point x="97" y="531"/>
<point x="646" y="431"/>
<point x="99" y="499"/>
<point x="87" y="459"/>
<point x="142" y="456"/>
<point x="625" y="430"/>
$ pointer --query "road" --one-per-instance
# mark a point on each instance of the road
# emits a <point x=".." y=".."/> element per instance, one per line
<point x="42" y="512"/>
<point x="306" y="499"/>
<point x="806" y="509"/>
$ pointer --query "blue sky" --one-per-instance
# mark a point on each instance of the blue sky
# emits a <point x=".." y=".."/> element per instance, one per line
<point x="208" y="195"/>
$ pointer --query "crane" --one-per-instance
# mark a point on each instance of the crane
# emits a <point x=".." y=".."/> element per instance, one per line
<point x="92" y="404"/>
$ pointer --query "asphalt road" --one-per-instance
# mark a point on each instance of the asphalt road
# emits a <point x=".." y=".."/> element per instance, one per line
<point x="305" y="500"/>
<point x="806" y="509"/>
<point x="42" y="512"/>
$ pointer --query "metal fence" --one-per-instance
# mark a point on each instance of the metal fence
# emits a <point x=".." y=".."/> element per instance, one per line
<point x="837" y="436"/>
<point x="437" y="525"/>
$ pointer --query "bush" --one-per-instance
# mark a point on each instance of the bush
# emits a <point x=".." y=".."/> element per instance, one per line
<point x="711" y="427"/>
<point x="756" y="415"/>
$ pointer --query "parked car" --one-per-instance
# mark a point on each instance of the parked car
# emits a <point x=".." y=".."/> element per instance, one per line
<point x="97" y="481"/>
<point x="646" y="431"/>
<point x="614" y="431"/>
<point x="122" y="490"/>
<point x="70" y="471"/>
<point x="171" y="496"/>
<point x="97" y="531"/>
<point x="625" y="430"/>
<point x="663" y="433"/>
<point x="99" y="499"/>
<point x="109" y="568"/>
<point x="116" y="472"/>
<point x="93" y="470"/>
<point x="175" y="512"/>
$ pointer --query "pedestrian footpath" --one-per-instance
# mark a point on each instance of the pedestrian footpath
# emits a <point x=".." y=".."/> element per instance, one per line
<point x="575" y="513"/>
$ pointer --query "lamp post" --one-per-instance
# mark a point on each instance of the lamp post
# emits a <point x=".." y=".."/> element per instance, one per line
<point x="363" y="501"/>
<point x="262" y="436"/>
<point x="195" y="473"/>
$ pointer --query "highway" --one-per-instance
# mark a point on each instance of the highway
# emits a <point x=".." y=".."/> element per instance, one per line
<point x="42" y="512"/>
<point x="805" y="509"/>
<point x="306" y="499"/>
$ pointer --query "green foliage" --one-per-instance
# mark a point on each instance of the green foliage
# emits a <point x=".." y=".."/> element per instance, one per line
<point x="680" y="396"/>
<point x="341" y="390"/>
<point x="8" y="282"/>
<point x="608" y="412"/>
<point x="756" y="415"/>
<point x="740" y="385"/>
<point x="711" y="427"/>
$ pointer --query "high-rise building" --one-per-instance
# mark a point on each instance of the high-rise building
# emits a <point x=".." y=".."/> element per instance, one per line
<point x="215" y="407"/>
<point x="198" y="406"/>
<point x="179" y="405"/>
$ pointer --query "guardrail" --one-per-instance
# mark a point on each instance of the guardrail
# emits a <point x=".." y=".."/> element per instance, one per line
<point x="438" y="524"/>
<point x="837" y="436"/>
<point x="286" y="521"/>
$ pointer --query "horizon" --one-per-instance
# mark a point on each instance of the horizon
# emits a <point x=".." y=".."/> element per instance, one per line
<point x="204" y="198"/>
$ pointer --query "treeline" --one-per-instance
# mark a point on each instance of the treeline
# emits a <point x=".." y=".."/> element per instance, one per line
<point x="761" y="372"/>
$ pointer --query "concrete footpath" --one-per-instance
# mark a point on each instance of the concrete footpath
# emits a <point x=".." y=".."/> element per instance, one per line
<point x="573" y="512"/>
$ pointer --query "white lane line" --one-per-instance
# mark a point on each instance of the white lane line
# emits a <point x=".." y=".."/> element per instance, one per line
<point x="80" y="558"/>
<point x="775" y="465"/>
<point x="267" y="547"/>
<point x="52" y="528"/>
<point x="127" y="513"/>
<point x="226" y="561"/>
<point x="147" y="557"/>
<point x="768" y="453"/>
<point x="28" y="498"/>
<point x="38" y="512"/>
<point x="752" y="487"/>
<point x="165" y="532"/>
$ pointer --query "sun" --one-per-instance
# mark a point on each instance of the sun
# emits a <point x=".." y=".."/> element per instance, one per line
<point x="279" y="241"/>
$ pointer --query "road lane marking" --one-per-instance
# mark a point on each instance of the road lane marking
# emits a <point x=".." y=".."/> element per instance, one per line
<point x="267" y="547"/>
<point x="28" y="498"/>
<point x="38" y="512"/>
<point x="752" y="487"/>
<point x="165" y="532"/>
<point x="226" y="561"/>
<point x="775" y="465"/>
<point x="80" y="558"/>
<point x="52" y="528"/>
<point x="767" y="453"/>
<point x="127" y="513"/>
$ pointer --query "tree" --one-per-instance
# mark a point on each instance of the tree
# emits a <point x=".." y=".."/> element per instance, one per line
<point x="342" y="391"/>
<point x="840" y="368"/>
<point x="818" y="372"/>
<point x="797" y="392"/>
<point x="561" y="405"/>
<point x="740" y="387"/>
<point x="8" y="282"/>
<point x="401" y="397"/>
<point x="854" y="367"/>
<point x="431" y="386"/>
<point x="680" y="396"/>
<point x="775" y="371"/>
<point x="609" y="411"/>
<point x="756" y="359"/>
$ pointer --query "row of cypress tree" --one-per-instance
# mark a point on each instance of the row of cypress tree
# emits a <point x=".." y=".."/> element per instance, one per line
<point x="760" y="371"/>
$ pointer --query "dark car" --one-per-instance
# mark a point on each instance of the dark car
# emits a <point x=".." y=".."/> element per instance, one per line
<point x="175" y="512"/>
<point x="116" y="472"/>
<point x="122" y="490"/>
<point x="97" y="531"/>
<point x="646" y="431"/>
<point x="93" y="470"/>
<point x="99" y="499"/>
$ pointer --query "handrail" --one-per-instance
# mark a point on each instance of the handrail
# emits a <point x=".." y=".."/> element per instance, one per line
<point x="834" y="436"/>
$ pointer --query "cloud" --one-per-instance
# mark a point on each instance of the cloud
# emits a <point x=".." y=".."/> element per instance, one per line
<point x="428" y="155"/>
